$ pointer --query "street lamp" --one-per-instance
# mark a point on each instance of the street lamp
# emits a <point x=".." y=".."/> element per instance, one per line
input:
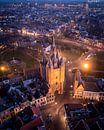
<point x="55" y="103"/>
<point x="69" y="70"/>
<point x="86" y="66"/>
<point x="2" y="68"/>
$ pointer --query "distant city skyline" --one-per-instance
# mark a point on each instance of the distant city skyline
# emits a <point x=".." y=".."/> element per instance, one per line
<point x="44" y="0"/>
<point x="58" y="1"/>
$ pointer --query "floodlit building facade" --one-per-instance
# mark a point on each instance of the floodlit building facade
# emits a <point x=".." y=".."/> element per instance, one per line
<point x="53" y="70"/>
<point x="86" y="88"/>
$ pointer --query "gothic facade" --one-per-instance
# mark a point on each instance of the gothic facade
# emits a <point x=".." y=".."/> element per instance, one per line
<point x="53" y="70"/>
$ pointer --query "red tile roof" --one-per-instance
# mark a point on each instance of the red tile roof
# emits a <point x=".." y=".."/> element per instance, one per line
<point x="32" y="124"/>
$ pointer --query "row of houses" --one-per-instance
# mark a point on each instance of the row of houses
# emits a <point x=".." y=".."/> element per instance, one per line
<point x="7" y="114"/>
<point x="90" y="95"/>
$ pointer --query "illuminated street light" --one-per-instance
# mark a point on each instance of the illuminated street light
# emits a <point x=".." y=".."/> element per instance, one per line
<point x="86" y="66"/>
<point x="2" y="68"/>
<point x="69" y="70"/>
<point x="71" y="86"/>
<point x="68" y="62"/>
<point x="55" y="103"/>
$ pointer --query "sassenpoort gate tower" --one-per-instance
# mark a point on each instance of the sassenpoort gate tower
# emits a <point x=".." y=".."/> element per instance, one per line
<point x="53" y="70"/>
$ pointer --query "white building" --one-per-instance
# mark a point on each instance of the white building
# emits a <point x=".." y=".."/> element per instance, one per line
<point x="86" y="88"/>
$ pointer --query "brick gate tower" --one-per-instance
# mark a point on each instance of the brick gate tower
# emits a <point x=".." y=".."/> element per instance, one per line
<point x="54" y="71"/>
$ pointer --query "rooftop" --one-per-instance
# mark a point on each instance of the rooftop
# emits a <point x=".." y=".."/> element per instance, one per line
<point x="84" y="118"/>
<point x="27" y="119"/>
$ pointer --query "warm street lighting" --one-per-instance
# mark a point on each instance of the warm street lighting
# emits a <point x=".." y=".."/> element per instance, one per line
<point x="2" y="68"/>
<point x="86" y="66"/>
<point x="69" y="70"/>
<point x="71" y="86"/>
<point x="55" y="103"/>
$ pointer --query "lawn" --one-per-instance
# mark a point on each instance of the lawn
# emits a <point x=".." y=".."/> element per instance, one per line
<point x="21" y="54"/>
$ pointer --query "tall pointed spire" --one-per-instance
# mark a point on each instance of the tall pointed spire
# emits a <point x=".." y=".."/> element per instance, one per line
<point x="50" y="63"/>
<point x="78" y="78"/>
<point x="44" y="60"/>
<point x="54" y="45"/>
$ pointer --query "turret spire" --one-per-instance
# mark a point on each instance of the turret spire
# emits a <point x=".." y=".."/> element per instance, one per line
<point x="44" y="60"/>
<point x="50" y="63"/>
<point x="78" y="77"/>
<point x="54" y="45"/>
